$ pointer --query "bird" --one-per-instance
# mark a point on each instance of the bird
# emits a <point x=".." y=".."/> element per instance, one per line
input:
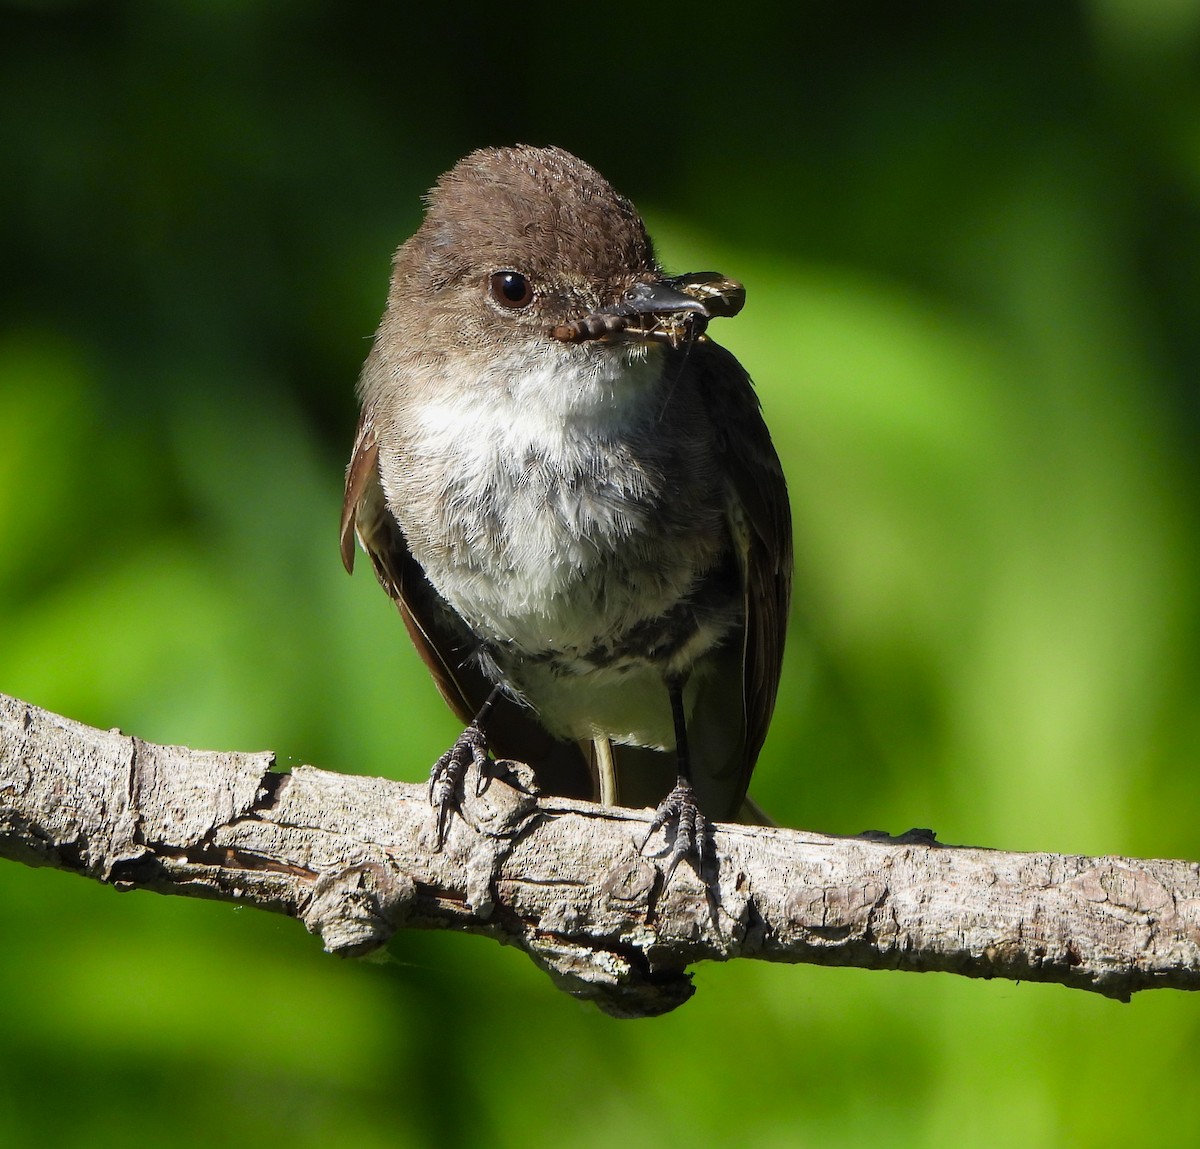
<point x="570" y="492"/>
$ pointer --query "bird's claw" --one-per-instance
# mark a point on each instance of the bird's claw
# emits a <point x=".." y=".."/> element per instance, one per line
<point x="446" y="777"/>
<point x="681" y="812"/>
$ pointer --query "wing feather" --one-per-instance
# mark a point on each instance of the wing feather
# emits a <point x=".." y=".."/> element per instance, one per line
<point x="761" y="524"/>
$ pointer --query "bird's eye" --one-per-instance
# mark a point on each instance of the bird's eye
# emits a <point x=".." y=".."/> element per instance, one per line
<point x="511" y="289"/>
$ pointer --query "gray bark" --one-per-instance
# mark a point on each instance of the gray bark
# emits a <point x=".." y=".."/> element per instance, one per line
<point x="354" y="859"/>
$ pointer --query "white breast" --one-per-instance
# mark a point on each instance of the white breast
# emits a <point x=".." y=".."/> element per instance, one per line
<point x="544" y="536"/>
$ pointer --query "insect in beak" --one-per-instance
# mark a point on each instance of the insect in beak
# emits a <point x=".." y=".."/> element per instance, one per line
<point x="674" y="310"/>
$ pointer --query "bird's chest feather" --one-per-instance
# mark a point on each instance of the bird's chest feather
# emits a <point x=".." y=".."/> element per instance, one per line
<point x="558" y="524"/>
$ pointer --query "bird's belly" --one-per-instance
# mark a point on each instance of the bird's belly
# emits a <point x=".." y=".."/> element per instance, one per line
<point x="604" y="616"/>
<point x="588" y="571"/>
<point x="628" y="704"/>
<point x="594" y="659"/>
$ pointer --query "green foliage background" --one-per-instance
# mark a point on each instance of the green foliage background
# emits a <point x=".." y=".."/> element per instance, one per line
<point x="971" y="237"/>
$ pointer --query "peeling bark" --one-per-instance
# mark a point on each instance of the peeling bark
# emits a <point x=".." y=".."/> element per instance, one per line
<point x="354" y="859"/>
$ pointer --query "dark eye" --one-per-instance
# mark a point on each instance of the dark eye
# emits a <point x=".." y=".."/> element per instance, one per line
<point x="511" y="289"/>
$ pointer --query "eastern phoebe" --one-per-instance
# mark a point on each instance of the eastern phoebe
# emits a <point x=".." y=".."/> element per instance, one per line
<point x="571" y="494"/>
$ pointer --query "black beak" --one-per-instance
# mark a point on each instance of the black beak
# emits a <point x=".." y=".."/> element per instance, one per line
<point x="658" y="298"/>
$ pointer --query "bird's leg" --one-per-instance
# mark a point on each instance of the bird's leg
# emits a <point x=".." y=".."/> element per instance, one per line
<point x="446" y="777"/>
<point x="679" y="809"/>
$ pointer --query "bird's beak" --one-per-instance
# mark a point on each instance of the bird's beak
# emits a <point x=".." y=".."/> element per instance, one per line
<point x="672" y="309"/>
<point x="657" y="299"/>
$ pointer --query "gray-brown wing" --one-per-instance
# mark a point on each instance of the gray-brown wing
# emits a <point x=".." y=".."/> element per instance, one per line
<point x="365" y="517"/>
<point x="760" y="519"/>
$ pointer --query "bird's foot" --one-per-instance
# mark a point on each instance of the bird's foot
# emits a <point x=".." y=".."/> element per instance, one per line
<point x="446" y="777"/>
<point x="688" y="830"/>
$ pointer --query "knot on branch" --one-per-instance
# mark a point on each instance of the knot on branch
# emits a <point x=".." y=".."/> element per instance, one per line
<point x="357" y="909"/>
<point x="494" y="807"/>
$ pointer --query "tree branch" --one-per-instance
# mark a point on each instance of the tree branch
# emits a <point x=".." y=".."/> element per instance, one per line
<point x="353" y="859"/>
